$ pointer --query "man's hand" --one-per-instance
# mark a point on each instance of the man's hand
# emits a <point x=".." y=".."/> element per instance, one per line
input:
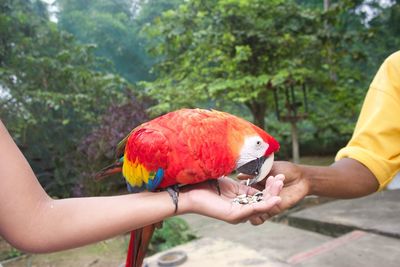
<point x="296" y="187"/>
<point x="203" y="198"/>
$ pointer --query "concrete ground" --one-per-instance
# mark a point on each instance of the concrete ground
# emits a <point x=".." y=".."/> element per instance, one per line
<point x="377" y="213"/>
<point x="360" y="232"/>
<point x="217" y="252"/>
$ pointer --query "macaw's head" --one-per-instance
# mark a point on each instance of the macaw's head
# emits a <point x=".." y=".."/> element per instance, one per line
<point x="254" y="149"/>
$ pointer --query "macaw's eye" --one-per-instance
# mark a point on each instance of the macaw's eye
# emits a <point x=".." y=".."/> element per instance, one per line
<point x="258" y="142"/>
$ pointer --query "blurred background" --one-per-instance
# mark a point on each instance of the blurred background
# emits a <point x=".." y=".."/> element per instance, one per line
<point x="76" y="76"/>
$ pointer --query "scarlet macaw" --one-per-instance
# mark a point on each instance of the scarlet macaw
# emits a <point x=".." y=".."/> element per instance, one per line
<point x="188" y="146"/>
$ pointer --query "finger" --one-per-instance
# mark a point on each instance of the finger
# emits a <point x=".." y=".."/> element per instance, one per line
<point x="275" y="188"/>
<point x="280" y="177"/>
<point x="259" y="219"/>
<point x="272" y="187"/>
<point x="269" y="181"/>
<point x="272" y="190"/>
<point x="275" y="210"/>
<point x="266" y="216"/>
<point x="256" y="220"/>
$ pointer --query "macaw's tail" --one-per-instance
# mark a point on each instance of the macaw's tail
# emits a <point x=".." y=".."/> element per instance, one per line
<point x="138" y="244"/>
<point x="114" y="168"/>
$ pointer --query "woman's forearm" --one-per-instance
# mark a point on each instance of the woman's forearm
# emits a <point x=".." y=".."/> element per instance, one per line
<point x="32" y="221"/>
<point x="68" y="223"/>
<point x="346" y="178"/>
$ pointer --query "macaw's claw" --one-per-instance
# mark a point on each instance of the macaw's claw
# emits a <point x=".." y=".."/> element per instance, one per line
<point x="216" y="184"/>
<point x="173" y="191"/>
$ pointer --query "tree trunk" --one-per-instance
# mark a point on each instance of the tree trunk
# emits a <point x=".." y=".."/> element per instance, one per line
<point x="258" y="111"/>
<point x="326" y="5"/>
<point x="295" y="142"/>
<point x="332" y="74"/>
<point x="259" y="119"/>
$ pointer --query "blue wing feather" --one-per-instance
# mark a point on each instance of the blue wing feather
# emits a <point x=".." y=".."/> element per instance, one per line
<point x="155" y="181"/>
<point x="152" y="184"/>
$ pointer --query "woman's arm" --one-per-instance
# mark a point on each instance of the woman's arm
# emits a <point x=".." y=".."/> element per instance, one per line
<point x="32" y="221"/>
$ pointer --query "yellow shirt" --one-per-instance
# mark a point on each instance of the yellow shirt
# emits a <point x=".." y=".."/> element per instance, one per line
<point x="376" y="138"/>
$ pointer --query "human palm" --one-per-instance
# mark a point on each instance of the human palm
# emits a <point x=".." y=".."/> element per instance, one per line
<point x="207" y="201"/>
<point x="295" y="188"/>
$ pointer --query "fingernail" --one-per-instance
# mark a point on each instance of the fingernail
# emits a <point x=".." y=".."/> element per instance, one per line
<point x="277" y="199"/>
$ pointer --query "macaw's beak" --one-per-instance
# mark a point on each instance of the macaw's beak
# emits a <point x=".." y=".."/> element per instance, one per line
<point x="252" y="167"/>
<point x="259" y="168"/>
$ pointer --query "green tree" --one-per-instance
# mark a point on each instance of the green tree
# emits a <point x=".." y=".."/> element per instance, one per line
<point x="343" y="35"/>
<point x="114" y="27"/>
<point x="385" y="35"/>
<point x="110" y="27"/>
<point x="51" y="94"/>
<point x="234" y="49"/>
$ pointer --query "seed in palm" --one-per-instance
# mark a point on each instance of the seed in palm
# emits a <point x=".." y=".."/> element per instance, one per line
<point x="245" y="199"/>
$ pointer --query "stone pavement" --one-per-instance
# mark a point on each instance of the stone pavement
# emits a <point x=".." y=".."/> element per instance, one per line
<point x="272" y="239"/>
<point x="377" y="213"/>
<point x="217" y="252"/>
<point x="359" y="232"/>
<point x="354" y="249"/>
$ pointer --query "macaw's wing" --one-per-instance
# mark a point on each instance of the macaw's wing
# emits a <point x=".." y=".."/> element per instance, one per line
<point x="145" y="159"/>
<point x="121" y="145"/>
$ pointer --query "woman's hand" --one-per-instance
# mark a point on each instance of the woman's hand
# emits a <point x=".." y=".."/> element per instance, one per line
<point x="204" y="199"/>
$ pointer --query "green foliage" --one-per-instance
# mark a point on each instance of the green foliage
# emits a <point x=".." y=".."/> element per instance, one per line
<point x="52" y="95"/>
<point x="146" y="11"/>
<point x="384" y="32"/>
<point x="236" y="50"/>
<point x="9" y="254"/>
<point x="337" y="96"/>
<point x="108" y="25"/>
<point x="175" y="231"/>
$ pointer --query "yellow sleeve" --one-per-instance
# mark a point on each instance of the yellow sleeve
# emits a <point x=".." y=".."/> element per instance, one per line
<point x="376" y="138"/>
